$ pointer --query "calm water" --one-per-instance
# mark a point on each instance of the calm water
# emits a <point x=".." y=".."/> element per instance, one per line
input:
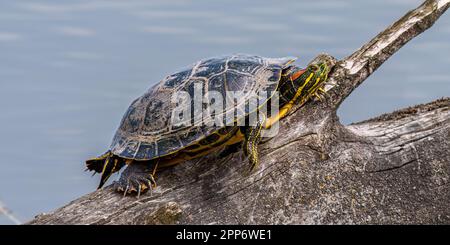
<point x="69" y="69"/>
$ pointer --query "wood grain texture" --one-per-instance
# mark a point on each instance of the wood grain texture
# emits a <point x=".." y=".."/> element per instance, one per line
<point x="391" y="169"/>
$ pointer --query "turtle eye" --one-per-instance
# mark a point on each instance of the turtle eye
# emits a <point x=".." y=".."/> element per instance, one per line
<point x="314" y="68"/>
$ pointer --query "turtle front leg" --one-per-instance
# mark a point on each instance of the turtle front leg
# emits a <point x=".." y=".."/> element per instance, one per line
<point x="252" y="137"/>
<point x="136" y="178"/>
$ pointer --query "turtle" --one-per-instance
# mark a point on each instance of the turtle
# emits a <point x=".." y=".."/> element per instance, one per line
<point x="148" y="141"/>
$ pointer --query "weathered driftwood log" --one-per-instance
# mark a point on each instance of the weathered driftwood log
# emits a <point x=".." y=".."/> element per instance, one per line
<point x="391" y="169"/>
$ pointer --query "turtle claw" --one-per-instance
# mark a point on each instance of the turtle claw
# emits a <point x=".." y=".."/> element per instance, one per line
<point x="322" y="90"/>
<point x="135" y="179"/>
<point x="135" y="187"/>
<point x="321" y="93"/>
<point x="139" y="191"/>
<point x="126" y="189"/>
<point x="318" y="96"/>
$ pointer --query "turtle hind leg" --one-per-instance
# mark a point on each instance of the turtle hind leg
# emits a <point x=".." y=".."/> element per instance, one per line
<point x="136" y="178"/>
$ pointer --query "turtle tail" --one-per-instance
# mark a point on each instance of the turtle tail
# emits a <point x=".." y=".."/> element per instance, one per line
<point x="96" y="164"/>
<point x="106" y="164"/>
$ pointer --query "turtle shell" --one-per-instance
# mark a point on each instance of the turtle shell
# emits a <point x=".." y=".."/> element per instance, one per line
<point x="145" y="131"/>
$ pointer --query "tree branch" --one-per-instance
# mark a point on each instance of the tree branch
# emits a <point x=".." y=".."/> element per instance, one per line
<point x="391" y="169"/>
<point x="354" y="69"/>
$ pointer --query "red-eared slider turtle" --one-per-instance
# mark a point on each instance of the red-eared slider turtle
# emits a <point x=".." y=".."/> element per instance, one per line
<point x="148" y="140"/>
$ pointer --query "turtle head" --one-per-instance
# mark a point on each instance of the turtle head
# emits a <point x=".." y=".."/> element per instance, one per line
<point x="313" y="77"/>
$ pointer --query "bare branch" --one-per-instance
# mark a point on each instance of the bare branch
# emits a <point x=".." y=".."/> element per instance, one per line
<point x="353" y="70"/>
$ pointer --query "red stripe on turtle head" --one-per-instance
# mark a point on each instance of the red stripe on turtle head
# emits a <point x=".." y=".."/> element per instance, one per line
<point x="297" y="74"/>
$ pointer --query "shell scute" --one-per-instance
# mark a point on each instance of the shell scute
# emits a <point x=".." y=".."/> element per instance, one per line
<point x="146" y="132"/>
